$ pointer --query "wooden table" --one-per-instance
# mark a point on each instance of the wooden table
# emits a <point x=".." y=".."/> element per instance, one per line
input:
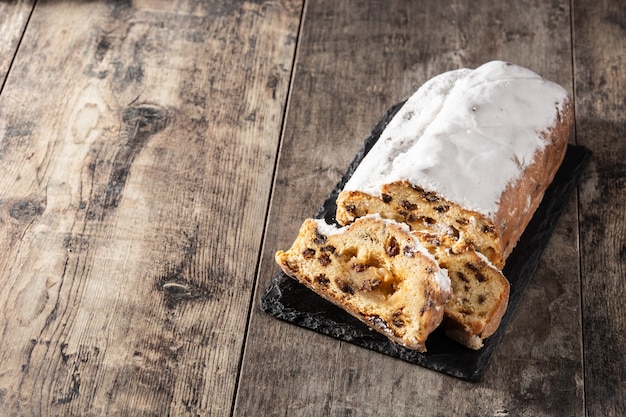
<point x="155" y="154"/>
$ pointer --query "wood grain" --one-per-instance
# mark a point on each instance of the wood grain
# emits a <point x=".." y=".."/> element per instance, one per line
<point x="140" y="150"/>
<point x="13" y="18"/>
<point x="600" y="59"/>
<point x="138" y="144"/>
<point x="355" y="60"/>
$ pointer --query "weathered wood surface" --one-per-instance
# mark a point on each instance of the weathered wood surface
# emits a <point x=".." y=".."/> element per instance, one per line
<point x="13" y="18"/>
<point x="140" y="203"/>
<point x="600" y="62"/>
<point x="138" y="144"/>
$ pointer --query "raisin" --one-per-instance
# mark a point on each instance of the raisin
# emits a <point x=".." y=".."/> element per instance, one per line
<point x="324" y="259"/>
<point x="428" y="220"/>
<point x="408" y="205"/>
<point x="488" y="229"/>
<point x="319" y="239"/>
<point x="322" y="279"/>
<point x="479" y="276"/>
<point x="351" y="208"/>
<point x="359" y="267"/>
<point x="442" y="209"/>
<point x="345" y="287"/>
<point x="329" y="248"/>
<point x="482" y="299"/>
<point x="431" y="197"/>
<point x="308" y="253"/>
<point x="370" y="284"/>
<point x="393" y="248"/>
<point x="386" y="198"/>
<point x="462" y="222"/>
<point x="398" y="322"/>
<point x="396" y="318"/>
<point x="471" y="267"/>
<point x="462" y="276"/>
<point x="411" y="218"/>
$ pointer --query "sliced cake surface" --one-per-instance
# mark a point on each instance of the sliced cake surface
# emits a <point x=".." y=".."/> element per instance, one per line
<point x="376" y="270"/>
<point x="480" y="292"/>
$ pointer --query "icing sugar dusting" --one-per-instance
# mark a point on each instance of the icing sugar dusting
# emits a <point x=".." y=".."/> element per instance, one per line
<point x="465" y="134"/>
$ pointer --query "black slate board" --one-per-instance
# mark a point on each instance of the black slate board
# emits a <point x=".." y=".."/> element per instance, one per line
<point x="288" y="300"/>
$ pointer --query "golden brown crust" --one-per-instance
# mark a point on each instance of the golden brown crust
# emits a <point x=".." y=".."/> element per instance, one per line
<point x="519" y="201"/>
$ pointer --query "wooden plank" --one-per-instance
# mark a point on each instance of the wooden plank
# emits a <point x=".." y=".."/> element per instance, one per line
<point x="355" y="60"/>
<point x="138" y="144"/>
<point x="13" y="18"/>
<point x="600" y="59"/>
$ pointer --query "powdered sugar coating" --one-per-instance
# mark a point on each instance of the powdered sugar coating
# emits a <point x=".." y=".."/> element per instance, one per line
<point x="465" y="134"/>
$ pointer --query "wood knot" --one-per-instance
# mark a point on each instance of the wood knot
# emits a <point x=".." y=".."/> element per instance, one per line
<point x="176" y="290"/>
<point x="26" y="210"/>
<point x="144" y="120"/>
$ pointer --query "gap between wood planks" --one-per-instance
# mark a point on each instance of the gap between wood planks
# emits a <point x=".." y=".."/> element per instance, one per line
<point x="578" y="207"/>
<point x="17" y="46"/>
<point x="255" y="282"/>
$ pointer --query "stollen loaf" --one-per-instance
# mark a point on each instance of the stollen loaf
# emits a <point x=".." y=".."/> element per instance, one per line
<point x="470" y="154"/>
<point x="430" y="215"/>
